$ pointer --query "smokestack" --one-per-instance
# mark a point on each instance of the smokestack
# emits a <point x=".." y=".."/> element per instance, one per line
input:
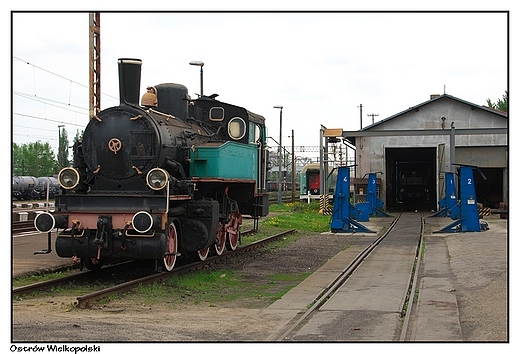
<point x="129" y="80"/>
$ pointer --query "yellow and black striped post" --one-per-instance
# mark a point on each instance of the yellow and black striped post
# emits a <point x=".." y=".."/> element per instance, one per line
<point x="325" y="208"/>
<point x="484" y="212"/>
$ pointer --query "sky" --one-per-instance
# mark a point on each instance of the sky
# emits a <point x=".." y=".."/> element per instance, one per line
<point x="321" y="67"/>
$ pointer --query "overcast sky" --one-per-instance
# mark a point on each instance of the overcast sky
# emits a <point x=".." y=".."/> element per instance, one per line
<point x="320" y="66"/>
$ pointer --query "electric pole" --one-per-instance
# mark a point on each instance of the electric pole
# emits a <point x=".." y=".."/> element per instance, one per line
<point x="94" y="65"/>
<point x="372" y="115"/>
<point x="360" y="116"/>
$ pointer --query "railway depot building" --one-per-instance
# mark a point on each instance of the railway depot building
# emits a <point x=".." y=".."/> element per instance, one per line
<point x="414" y="148"/>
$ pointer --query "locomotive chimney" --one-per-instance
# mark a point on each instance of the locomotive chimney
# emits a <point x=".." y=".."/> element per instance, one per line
<point x="129" y="80"/>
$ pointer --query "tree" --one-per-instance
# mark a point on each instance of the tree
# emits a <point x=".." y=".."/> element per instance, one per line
<point x="79" y="136"/>
<point x="34" y="159"/>
<point x="63" y="149"/>
<point x="501" y="104"/>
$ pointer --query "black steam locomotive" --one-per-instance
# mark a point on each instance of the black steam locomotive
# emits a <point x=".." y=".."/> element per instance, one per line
<point x="165" y="178"/>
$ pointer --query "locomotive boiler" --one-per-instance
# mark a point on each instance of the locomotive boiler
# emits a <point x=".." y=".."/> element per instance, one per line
<point x="159" y="179"/>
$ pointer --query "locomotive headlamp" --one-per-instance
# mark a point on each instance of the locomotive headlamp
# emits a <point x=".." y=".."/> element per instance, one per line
<point x="68" y="177"/>
<point x="157" y="178"/>
<point x="142" y="222"/>
<point x="44" y="222"/>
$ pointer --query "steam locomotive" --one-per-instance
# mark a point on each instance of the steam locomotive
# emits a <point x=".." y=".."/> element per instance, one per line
<point x="165" y="178"/>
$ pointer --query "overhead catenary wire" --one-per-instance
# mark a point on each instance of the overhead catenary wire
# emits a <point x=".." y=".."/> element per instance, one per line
<point x="77" y="110"/>
<point x="50" y="72"/>
<point x="59" y="76"/>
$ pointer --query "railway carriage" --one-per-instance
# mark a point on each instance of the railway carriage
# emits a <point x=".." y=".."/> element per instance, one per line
<point x="310" y="181"/>
<point x="159" y="179"/>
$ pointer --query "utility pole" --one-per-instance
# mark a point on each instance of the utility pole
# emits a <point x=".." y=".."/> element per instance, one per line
<point x="360" y="116"/>
<point x="373" y="115"/>
<point x="94" y="64"/>
<point x="293" y="169"/>
<point x="280" y="158"/>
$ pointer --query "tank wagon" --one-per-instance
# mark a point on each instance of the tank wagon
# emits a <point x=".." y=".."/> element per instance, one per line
<point x="23" y="187"/>
<point x="47" y="184"/>
<point x="161" y="178"/>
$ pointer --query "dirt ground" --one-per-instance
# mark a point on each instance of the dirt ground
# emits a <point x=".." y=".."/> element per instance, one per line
<point x="481" y="293"/>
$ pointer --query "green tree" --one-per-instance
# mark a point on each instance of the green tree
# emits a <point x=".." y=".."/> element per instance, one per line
<point x="79" y="136"/>
<point x="63" y="149"/>
<point x="501" y="104"/>
<point x="34" y="159"/>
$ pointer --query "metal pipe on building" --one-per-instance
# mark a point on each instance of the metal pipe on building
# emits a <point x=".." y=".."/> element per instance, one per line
<point x="452" y="147"/>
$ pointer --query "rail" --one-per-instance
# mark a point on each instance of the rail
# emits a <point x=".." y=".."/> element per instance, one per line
<point x="23" y="226"/>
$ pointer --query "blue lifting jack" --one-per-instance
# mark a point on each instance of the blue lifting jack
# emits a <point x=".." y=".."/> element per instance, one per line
<point x="344" y="212"/>
<point x="375" y="205"/>
<point x="450" y="196"/>
<point x="465" y="212"/>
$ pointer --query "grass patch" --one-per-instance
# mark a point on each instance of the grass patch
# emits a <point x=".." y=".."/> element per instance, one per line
<point x="300" y="216"/>
<point x="195" y="287"/>
<point x="31" y="279"/>
<point x="36" y="278"/>
<point x="216" y="287"/>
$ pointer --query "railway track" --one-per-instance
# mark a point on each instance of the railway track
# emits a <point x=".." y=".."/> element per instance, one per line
<point x="340" y="280"/>
<point x="87" y="300"/>
<point x="23" y="226"/>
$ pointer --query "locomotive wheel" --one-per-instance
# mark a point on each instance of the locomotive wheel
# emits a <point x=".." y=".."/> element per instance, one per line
<point x="220" y="241"/>
<point x="233" y="234"/>
<point x="171" y="248"/>
<point x="203" y="253"/>
<point x="93" y="263"/>
<point x="232" y="240"/>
